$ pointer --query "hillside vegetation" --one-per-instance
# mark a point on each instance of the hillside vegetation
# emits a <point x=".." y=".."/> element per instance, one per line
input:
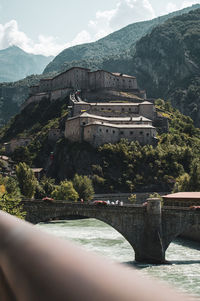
<point x="125" y="166"/>
<point x="117" y="44"/>
<point x="167" y="63"/>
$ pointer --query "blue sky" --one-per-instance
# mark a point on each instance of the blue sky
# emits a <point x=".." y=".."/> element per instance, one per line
<point x="47" y="26"/>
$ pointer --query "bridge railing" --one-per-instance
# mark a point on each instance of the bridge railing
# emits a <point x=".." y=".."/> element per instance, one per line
<point x="35" y="266"/>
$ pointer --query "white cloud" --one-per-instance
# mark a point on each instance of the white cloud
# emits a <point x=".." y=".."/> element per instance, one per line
<point x="11" y="35"/>
<point x="170" y="7"/>
<point x="188" y="3"/>
<point x="126" y="12"/>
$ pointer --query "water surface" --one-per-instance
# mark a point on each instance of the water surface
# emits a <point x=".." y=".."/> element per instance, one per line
<point x="94" y="235"/>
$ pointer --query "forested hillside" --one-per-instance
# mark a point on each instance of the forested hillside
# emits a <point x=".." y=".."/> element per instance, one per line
<point x="167" y="63"/>
<point x="117" y="44"/>
<point x="16" y="64"/>
<point x="122" y="167"/>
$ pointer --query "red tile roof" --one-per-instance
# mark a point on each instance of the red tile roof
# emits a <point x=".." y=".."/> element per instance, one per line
<point x="183" y="195"/>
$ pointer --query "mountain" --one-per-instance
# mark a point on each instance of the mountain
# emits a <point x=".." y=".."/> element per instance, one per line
<point x="16" y="64"/>
<point x="166" y="63"/>
<point x="119" y="43"/>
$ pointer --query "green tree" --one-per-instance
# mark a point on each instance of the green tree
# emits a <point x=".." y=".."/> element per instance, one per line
<point x="12" y="187"/>
<point x="194" y="183"/>
<point x="26" y="179"/>
<point x="12" y="206"/>
<point x="65" y="191"/>
<point x="84" y="187"/>
<point x="182" y="183"/>
<point x="22" y="154"/>
<point x="48" y="185"/>
<point x="45" y="187"/>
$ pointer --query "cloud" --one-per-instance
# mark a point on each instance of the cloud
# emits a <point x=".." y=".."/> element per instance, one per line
<point x="125" y="12"/>
<point x="170" y="7"/>
<point x="47" y="45"/>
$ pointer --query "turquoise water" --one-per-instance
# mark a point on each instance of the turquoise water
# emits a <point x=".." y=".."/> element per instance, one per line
<point x="184" y="256"/>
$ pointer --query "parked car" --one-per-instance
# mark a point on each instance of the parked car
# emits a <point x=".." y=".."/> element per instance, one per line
<point x="46" y="198"/>
<point x="195" y="207"/>
<point x="99" y="202"/>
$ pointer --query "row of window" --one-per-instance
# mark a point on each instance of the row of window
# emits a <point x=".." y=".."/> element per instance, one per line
<point x="121" y="132"/>
<point x="123" y="110"/>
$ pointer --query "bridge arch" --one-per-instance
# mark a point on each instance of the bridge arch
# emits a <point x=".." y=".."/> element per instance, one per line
<point x="109" y="220"/>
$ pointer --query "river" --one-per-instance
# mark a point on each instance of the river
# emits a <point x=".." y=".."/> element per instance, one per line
<point x="94" y="235"/>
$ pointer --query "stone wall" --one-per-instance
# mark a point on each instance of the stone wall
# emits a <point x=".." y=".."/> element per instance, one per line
<point x="81" y="78"/>
<point x="98" y="134"/>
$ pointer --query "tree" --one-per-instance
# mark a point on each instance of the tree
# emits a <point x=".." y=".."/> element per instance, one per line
<point x="22" y="154"/>
<point x="12" y="205"/>
<point x="45" y="187"/>
<point x="182" y="183"/>
<point x="12" y="187"/>
<point x="84" y="187"/>
<point x="65" y="191"/>
<point x="26" y="179"/>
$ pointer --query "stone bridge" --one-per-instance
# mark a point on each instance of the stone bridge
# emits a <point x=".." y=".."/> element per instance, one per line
<point x="149" y="229"/>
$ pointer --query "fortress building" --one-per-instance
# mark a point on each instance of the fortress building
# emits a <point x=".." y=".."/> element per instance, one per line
<point x="104" y="106"/>
<point x="98" y="130"/>
<point x="83" y="79"/>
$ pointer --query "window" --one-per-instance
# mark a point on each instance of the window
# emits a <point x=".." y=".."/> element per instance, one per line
<point x="131" y="133"/>
<point x="121" y="132"/>
<point x="113" y="132"/>
<point x="141" y="133"/>
<point x="129" y="109"/>
<point x="147" y="134"/>
<point x="122" y="109"/>
<point x="99" y="130"/>
<point x="106" y="131"/>
<point x="83" y="123"/>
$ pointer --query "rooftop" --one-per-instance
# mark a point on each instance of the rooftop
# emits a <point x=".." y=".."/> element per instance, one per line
<point x="85" y="115"/>
<point x="122" y="126"/>
<point x="119" y="103"/>
<point x="183" y="195"/>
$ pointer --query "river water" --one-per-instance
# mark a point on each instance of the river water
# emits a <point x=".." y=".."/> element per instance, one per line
<point x="94" y="235"/>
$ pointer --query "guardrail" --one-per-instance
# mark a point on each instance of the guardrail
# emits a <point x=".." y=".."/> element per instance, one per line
<point x="35" y="266"/>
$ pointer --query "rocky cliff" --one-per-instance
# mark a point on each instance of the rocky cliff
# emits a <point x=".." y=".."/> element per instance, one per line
<point x="167" y="63"/>
<point x="118" y="44"/>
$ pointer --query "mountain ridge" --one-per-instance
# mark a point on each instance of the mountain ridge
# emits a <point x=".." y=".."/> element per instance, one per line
<point x="117" y="43"/>
<point x="16" y="64"/>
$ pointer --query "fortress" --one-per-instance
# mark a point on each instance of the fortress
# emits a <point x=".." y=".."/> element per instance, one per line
<point x="104" y="106"/>
<point x="83" y="79"/>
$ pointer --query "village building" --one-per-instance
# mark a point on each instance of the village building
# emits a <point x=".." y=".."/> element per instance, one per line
<point x="54" y="134"/>
<point x="182" y="199"/>
<point x="38" y="173"/>
<point x="15" y="143"/>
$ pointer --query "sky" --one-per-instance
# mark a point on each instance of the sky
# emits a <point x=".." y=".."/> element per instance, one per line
<point x="48" y="26"/>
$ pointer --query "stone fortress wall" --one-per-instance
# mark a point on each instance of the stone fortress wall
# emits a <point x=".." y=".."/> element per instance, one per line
<point x="101" y="122"/>
<point x="80" y="78"/>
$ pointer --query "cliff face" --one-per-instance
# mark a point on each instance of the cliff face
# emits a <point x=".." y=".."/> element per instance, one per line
<point x="11" y="99"/>
<point x="119" y="43"/>
<point x="167" y="63"/>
